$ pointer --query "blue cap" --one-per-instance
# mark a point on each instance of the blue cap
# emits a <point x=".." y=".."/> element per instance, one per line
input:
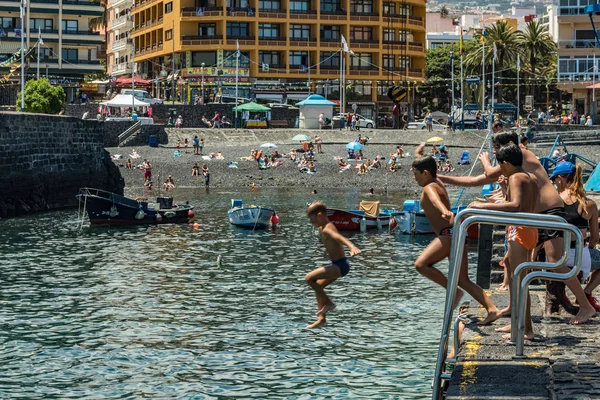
<point x="563" y="168"/>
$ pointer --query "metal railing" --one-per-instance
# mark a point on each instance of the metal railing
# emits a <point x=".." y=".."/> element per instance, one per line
<point x="133" y="129"/>
<point x="470" y="216"/>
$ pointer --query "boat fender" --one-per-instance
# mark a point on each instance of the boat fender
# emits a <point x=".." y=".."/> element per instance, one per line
<point x="379" y="225"/>
<point x="275" y="219"/>
<point x="158" y="217"/>
<point x="363" y="224"/>
<point x="393" y="224"/>
<point x="140" y="214"/>
<point x="169" y="214"/>
<point x="191" y="214"/>
<point x="113" y="211"/>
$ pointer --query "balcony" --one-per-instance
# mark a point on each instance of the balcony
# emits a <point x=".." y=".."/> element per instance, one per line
<point x="572" y="12"/>
<point x="369" y="70"/>
<point x="271" y="41"/>
<point x="418" y="21"/>
<point x="241" y="12"/>
<point x="577" y="44"/>
<point x="416" y="73"/>
<point x="120" y="44"/>
<point x="364" y="44"/>
<point x="124" y="22"/>
<point x="121" y="3"/>
<point x="278" y="68"/>
<point x="95" y="3"/>
<point x="298" y="41"/>
<point x="192" y="13"/>
<point x="364" y="16"/>
<point x="330" y="67"/>
<point x="566" y="77"/>
<point x="303" y="14"/>
<point x="242" y="40"/>
<point x="201" y="40"/>
<point x="334" y="15"/>
<point x="121" y="69"/>
<point x="272" y="13"/>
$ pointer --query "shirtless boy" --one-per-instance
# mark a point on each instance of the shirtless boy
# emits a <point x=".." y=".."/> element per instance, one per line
<point x="550" y="203"/>
<point x="522" y="240"/>
<point x="334" y="245"/>
<point x="436" y="204"/>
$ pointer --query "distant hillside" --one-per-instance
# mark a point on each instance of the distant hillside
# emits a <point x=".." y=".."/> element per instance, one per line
<point x="474" y="6"/>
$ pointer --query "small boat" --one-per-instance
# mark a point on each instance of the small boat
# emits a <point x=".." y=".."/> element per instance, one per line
<point x="368" y="215"/>
<point x="413" y="221"/>
<point x="251" y="216"/>
<point x="110" y="208"/>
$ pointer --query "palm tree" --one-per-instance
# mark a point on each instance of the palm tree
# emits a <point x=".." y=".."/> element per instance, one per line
<point x="535" y="43"/>
<point x="101" y="21"/>
<point x="505" y="39"/>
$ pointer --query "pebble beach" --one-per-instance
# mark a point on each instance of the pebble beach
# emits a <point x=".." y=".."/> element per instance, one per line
<point x="235" y="144"/>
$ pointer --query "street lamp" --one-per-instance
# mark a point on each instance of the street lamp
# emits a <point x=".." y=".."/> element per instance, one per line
<point x="202" y="83"/>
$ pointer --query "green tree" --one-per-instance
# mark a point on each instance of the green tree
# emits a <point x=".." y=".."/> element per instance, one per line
<point x="504" y="37"/>
<point x="535" y="44"/>
<point x="444" y="12"/>
<point x="42" y="97"/>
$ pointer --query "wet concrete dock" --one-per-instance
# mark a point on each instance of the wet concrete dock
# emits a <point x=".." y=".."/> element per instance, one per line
<point x="562" y="363"/>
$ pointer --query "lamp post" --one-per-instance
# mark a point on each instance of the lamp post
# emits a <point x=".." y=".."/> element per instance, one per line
<point x="202" y="83"/>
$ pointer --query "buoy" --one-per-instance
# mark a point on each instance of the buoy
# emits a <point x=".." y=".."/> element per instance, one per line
<point x="158" y="217"/>
<point x="140" y="214"/>
<point x="196" y="225"/>
<point x="393" y="224"/>
<point x="363" y="225"/>
<point x="191" y="214"/>
<point x="113" y="211"/>
<point x="275" y="219"/>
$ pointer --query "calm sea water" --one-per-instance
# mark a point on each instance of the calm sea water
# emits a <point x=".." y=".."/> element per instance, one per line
<point x="147" y="312"/>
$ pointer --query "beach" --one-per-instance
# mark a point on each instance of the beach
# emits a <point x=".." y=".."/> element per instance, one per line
<point x="235" y="144"/>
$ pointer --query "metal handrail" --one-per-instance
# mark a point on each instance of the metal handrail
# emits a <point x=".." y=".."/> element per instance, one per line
<point x="129" y="132"/>
<point x="456" y="252"/>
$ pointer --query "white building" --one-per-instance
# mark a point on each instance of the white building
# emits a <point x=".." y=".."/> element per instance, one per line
<point x="550" y="20"/>
<point x="437" y="39"/>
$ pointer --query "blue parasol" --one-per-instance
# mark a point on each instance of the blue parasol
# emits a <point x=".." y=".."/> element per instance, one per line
<point x="354" y="146"/>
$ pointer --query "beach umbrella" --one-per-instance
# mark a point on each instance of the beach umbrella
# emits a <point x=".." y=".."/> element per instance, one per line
<point x="301" y="138"/>
<point x="354" y="146"/>
<point x="268" y="146"/>
<point x="435" y="139"/>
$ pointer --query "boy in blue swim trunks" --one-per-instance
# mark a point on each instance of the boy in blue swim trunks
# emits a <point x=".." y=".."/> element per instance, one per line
<point x="334" y="244"/>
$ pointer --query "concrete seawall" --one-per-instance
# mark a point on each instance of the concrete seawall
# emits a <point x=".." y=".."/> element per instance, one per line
<point x="45" y="159"/>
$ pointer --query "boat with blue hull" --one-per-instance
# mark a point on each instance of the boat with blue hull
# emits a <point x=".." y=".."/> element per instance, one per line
<point x="251" y="216"/>
<point x="107" y="208"/>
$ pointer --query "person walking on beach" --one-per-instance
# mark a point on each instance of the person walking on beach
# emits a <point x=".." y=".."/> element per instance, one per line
<point x="436" y="204"/>
<point x="195" y="144"/>
<point x="521" y="240"/>
<point x="334" y="244"/>
<point x="206" y="174"/>
<point x="550" y="203"/>
<point x="147" y="167"/>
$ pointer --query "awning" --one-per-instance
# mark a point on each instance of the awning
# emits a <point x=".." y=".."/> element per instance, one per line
<point x="297" y="96"/>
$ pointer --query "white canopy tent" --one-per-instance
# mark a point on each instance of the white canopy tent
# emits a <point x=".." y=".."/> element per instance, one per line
<point x="124" y="100"/>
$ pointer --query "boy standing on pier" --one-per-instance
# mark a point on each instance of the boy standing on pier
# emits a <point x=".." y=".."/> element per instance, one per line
<point x="334" y="244"/>
<point x="522" y="240"/>
<point x="436" y="204"/>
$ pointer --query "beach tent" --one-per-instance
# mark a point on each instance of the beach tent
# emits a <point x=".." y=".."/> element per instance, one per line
<point x="251" y="107"/>
<point x="124" y="100"/>
<point x="311" y="108"/>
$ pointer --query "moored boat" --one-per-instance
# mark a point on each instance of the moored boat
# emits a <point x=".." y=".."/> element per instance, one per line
<point x="110" y="208"/>
<point x="251" y="215"/>
<point x="368" y="214"/>
<point x="413" y="220"/>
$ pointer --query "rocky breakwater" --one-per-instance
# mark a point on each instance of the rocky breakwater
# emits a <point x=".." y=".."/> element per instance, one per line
<point x="45" y="159"/>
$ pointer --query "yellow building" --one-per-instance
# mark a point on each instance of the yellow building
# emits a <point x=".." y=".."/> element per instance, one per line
<point x="70" y="48"/>
<point x="576" y="53"/>
<point x="278" y="41"/>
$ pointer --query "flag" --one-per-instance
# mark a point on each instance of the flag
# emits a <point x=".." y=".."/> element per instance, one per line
<point x="40" y="35"/>
<point x="495" y="51"/>
<point x="462" y="43"/>
<point x="483" y="37"/>
<point x="518" y="62"/>
<point x="345" y="45"/>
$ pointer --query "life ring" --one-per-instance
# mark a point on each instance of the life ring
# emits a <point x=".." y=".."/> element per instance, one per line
<point x="169" y="214"/>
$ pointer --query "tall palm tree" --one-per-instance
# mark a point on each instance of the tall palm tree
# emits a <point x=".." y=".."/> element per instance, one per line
<point x="504" y="37"/>
<point x="535" y="43"/>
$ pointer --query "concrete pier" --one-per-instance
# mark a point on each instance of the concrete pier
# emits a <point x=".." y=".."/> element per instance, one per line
<point x="562" y="363"/>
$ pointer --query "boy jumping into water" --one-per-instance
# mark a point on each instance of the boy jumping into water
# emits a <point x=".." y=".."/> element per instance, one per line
<point x="334" y="245"/>
<point x="436" y="204"/>
<point x="521" y="240"/>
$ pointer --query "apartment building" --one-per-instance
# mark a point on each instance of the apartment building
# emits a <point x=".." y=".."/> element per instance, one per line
<point x="576" y="53"/>
<point x="70" y="48"/>
<point x="288" y="47"/>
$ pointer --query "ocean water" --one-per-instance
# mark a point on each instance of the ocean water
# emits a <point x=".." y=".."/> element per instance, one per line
<point x="146" y="312"/>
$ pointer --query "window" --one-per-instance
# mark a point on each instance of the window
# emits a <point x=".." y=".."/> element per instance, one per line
<point x="40" y="23"/>
<point x="361" y="6"/>
<point x="268" y="57"/>
<point x="268" y="31"/>
<point x="403" y="62"/>
<point x="237" y="4"/>
<point x="330" y="5"/>
<point x="207" y="57"/>
<point x="6" y="22"/>
<point x="69" y="54"/>
<point x="299" y="32"/>
<point x="168" y="7"/>
<point x="298" y="58"/>
<point x="389" y="35"/>
<point x="361" y="33"/>
<point x="361" y="60"/>
<point x="330" y="60"/>
<point x="207" y="29"/>
<point x="237" y="30"/>
<point x="269" y="4"/>
<point x="404" y="10"/>
<point x="298" y="6"/>
<point x="388" y="61"/>
<point x="45" y="54"/>
<point x="389" y="9"/>
<point x="70" y="25"/>
<point x="330" y="32"/>
<point x="169" y="35"/>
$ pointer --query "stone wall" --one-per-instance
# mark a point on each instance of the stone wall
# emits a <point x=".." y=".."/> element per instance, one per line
<point x="45" y="159"/>
<point x="543" y="128"/>
<point x="77" y="110"/>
